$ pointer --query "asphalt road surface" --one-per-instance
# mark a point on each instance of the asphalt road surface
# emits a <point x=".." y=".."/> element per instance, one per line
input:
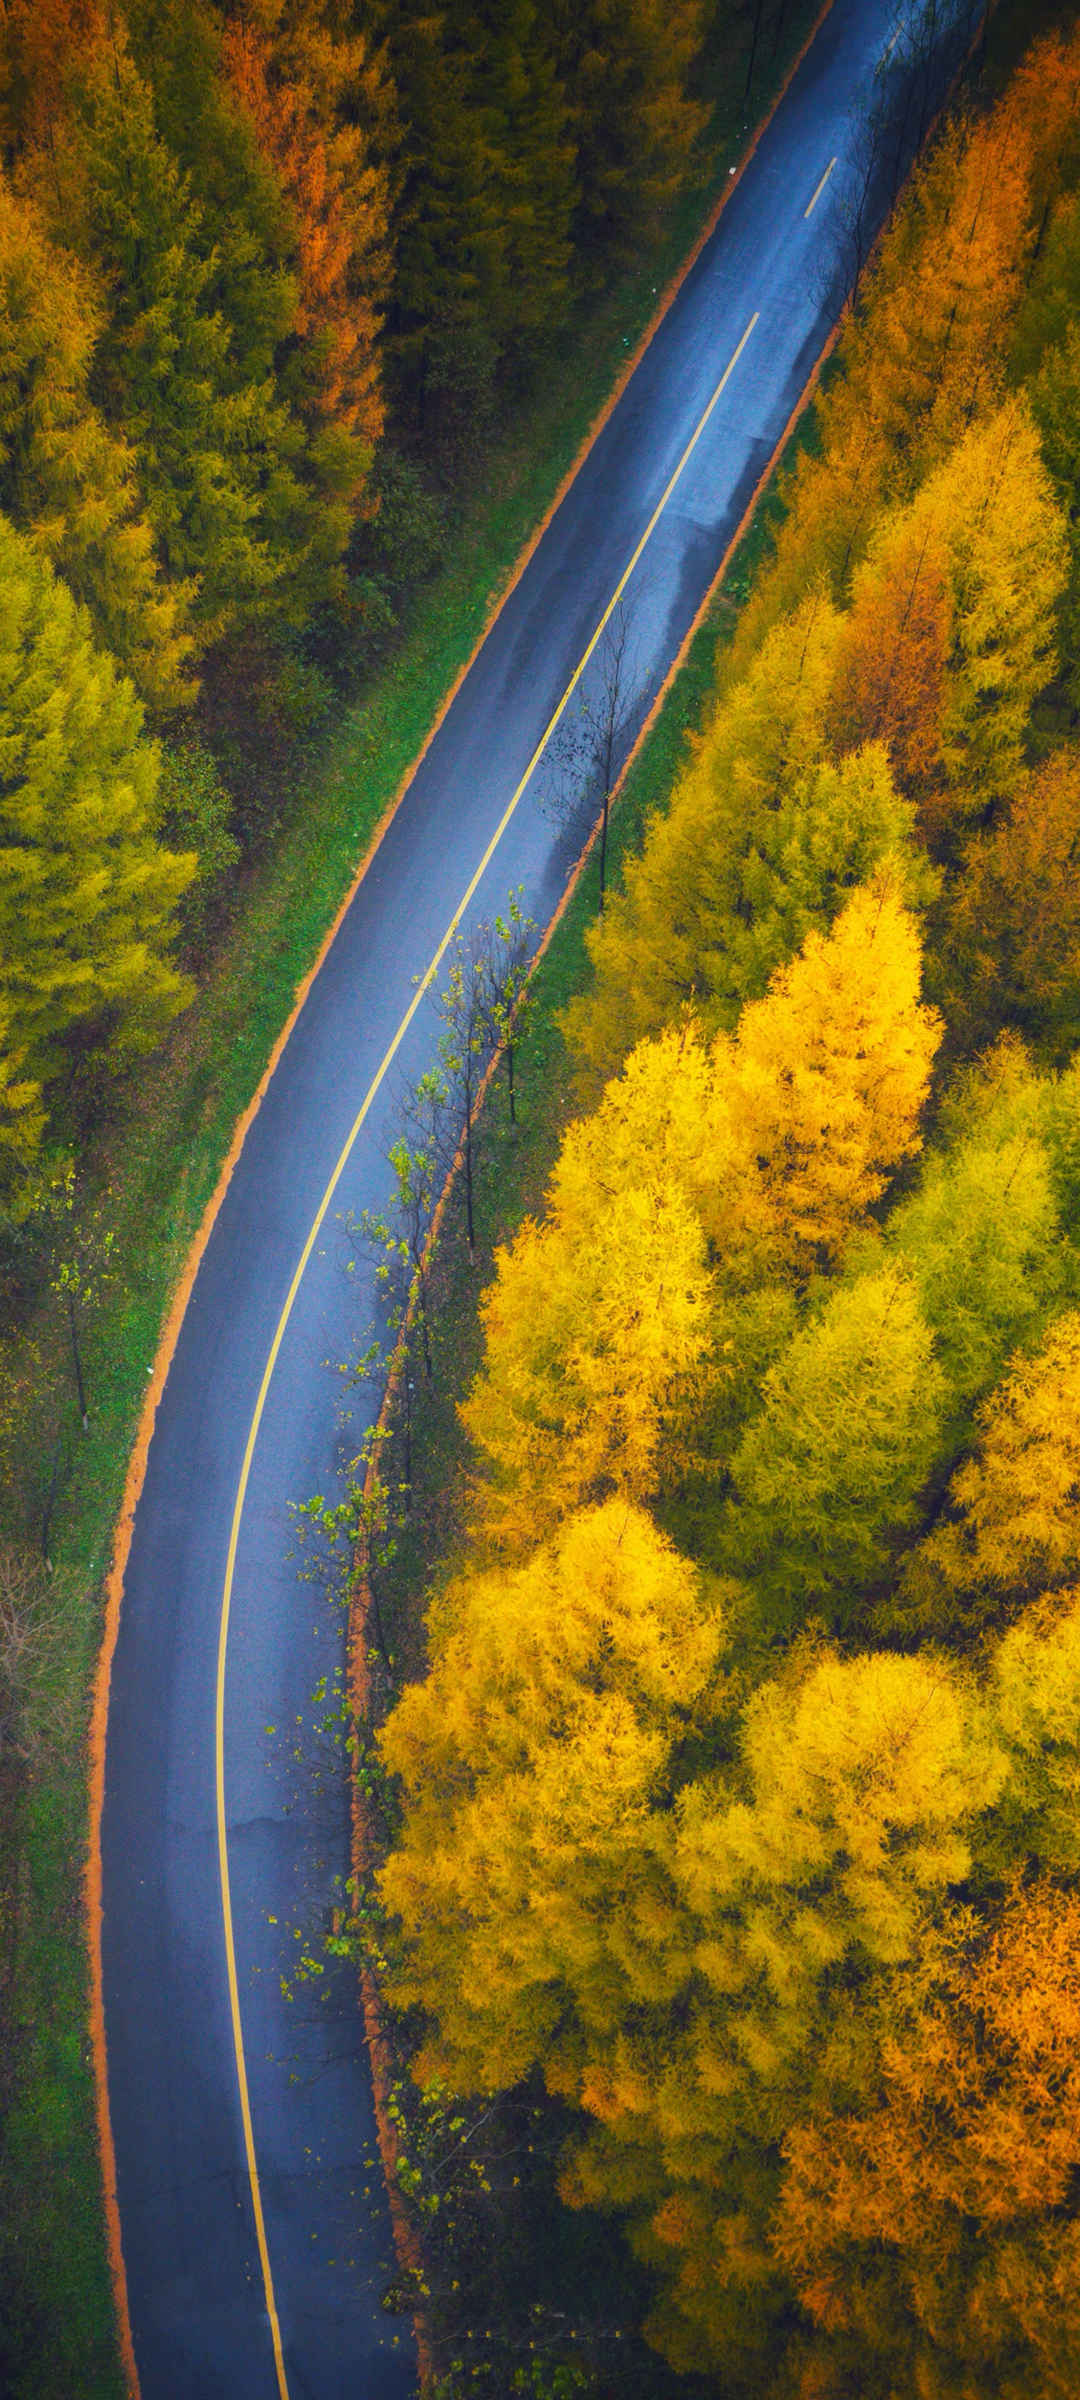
<point x="211" y="2319"/>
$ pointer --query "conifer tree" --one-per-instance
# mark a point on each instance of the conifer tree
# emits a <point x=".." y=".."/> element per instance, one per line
<point x="596" y="1328"/>
<point x="87" y="896"/>
<point x="828" y="1475"/>
<point x="1011" y="1529"/>
<point x="932" y="2233"/>
<point x="627" y="71"/>
<point x="762" y="841"/>
<point x="307" y="96"/>
<point x="529" y="1878"/>
<point x="826" y="1079"/>
<point x="811" y="1877"/>
<point x="983" y="1233"/>
<point x="1008" y="951"/>
<point x="65" y="476"/>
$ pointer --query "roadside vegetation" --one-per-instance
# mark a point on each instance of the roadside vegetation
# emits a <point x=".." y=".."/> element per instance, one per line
<point x="731" y="1848"/>
<point x="243" y="589"/>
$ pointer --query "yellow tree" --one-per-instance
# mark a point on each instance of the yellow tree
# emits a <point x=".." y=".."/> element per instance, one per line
<point x="531" y="1876"/>
<point x="763" y="839"/>
<point x="826" y="1080"/>
<point x="598" y="1321"/>
<point x="67" y="478"/>
<point x="808" y="1889"/>
<point x="932" y="2235"/>
<point x="891" y="668"/>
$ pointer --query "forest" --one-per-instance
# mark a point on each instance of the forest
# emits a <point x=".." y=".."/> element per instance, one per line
<point x="732" y="1837"/>
<point x="734" y="1818"/>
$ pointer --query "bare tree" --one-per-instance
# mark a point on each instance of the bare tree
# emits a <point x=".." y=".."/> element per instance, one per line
<point x="480" y="1008"/>
<point x="83" y="1266"/>
<point x="930" y="39"/>
<point x="588" y="746"/>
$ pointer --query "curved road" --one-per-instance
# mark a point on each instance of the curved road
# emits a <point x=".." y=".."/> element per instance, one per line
<point x="750" y="319"/>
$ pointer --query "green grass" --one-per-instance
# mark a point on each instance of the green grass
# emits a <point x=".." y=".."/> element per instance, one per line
<point x="159" y="1156"/>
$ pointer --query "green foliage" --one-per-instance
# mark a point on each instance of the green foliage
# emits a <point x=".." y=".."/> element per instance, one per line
<point x="87" y="894"/>
<point x="828" y="1476"/>
<point x="195" y="813"/>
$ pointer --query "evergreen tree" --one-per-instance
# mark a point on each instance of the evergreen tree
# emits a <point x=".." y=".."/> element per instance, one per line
<point x="87" y="895"/>
<point x="628" y="70"/>
<point x="65" y="476"/>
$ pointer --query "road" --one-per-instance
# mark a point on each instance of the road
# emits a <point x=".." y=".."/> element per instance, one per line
<point x="212" y="2318"/>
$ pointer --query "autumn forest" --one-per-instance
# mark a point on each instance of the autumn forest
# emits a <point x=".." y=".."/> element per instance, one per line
<point x="726" y="1827"/>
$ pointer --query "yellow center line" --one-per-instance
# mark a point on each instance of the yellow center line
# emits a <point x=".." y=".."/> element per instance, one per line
<point x="249" y="1448"/>
<point x="817" y="195"/>
<point x="889" y="48"/>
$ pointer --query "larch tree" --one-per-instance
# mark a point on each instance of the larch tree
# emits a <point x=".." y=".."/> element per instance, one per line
<point x="1011" y="1527"/>
<point x="596" y="1331"/>
<point x="627" y="72"/>
<point x="827" y="1078"/>
<point x="828" y="1474"/>
<point x="763" y="840"/>
<point x="87" y="894"/>
<point x="530" y="1879"/>
<point x="1008" y="950"/>
<point x="66" y="477"/>
<point x="310" y="99"/>
<point x="984" y="1232"/>
<point x="811" y="1875"/>
<point x="932" y="2234"/>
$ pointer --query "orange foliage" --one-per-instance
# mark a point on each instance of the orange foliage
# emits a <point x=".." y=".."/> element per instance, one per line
<point x="892" y="656"/>
<point x="295" y="86"/>
<point x="1012" y="955"/>
<point x="39" y="39"/>
<point x="977" y="2129"/>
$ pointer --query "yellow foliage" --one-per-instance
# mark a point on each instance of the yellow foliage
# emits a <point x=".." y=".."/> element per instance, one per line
<point x="827" y="1077"/>
<point x="598" y="1321"/>
<point x="1014" y="1522"/>
<point x="530" y="1876"/>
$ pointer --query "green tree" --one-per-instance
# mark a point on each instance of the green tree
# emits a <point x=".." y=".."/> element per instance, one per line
<point x="87" y="894"/>
<point x="828" y="1475"/>
<point x="983" y="1233"/>
<point x="65" y="476"/>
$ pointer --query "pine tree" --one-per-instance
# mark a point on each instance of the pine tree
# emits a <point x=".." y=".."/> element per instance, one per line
<point x="87" y="896"/>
